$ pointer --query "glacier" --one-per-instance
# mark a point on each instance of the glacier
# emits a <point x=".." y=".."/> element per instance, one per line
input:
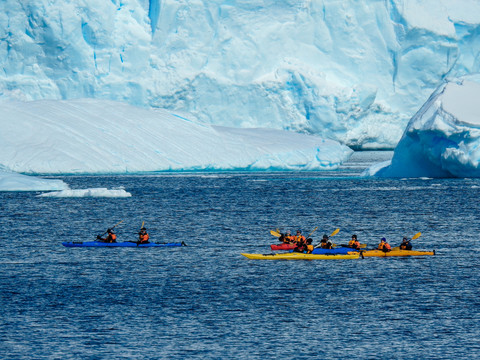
<point x="350" y="71"/>
<point x="90" y="136"/>
<point x="443" y="138"/>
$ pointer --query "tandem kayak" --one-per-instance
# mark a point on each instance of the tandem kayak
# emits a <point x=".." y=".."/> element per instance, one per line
<point x="300" y="256"/>
<point x="380" y="253"/>
<point x="118" y="244"/>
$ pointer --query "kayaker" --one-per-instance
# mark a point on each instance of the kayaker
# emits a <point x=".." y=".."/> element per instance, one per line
<point x="286" y="238"/>
<point x="301" y="247"/>
<point x="299" y="238"/>
<point x="405" y="245"/>
<point x="143" y="236"/>
<point x="326" y="243"/>
<point x="111" y="237"/>
<point x="354" y="243"/>
<point x="384" y="246"/>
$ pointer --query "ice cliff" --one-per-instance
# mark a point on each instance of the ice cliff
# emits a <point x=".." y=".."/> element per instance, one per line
<point x="443" y="138"/>
<point x="352" y="71"/>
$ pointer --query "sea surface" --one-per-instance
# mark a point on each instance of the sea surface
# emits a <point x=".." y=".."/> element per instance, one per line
<point x="207" y="301"/>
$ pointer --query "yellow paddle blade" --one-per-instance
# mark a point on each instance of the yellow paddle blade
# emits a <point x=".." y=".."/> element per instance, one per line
<point x="274" y="233"/>
<point x="335" y="232"/>
<point x="143" y="222"/>
<point x="416" y="236"/>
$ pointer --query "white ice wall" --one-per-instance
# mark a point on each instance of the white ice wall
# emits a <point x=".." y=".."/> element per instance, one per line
<point x="353" y="71"/>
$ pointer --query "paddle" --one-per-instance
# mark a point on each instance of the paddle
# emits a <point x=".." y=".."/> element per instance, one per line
<point x="275" y="233"/>
<point x="110" y="229"/>
<point x="416" y="236"/>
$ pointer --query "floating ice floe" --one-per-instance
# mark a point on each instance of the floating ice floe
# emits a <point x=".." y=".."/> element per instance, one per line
<point x="93" y="192"/>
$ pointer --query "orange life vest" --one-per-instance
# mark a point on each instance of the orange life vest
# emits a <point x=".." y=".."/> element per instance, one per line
<point x="380" y="246"/>
<point x="143" y="237"/>
<point x="112" y="238"/>
<point x="387" y="247"/>
<point x="300" y="239"/>
<point x="309" y="248"/>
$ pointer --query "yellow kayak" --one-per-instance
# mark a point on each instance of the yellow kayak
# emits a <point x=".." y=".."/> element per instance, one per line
<point x="379" y="253"/>
<point x="301" y="256"/>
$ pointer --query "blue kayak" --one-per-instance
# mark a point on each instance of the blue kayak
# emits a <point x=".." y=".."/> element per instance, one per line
<point x="118" y="244"/>
<point x="334" y="251"/>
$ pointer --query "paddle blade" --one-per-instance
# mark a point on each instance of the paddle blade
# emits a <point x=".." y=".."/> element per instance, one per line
<point x="274" y="233"/>
<point x="416" y="236"/>
<point x="335" y="232"/>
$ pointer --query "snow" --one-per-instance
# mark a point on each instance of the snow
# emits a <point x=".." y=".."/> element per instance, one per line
<point x="93" y="192"/>
<point x="443" y="138"/>
<point x="10" y="181"/>
<point x="99" y="136"/>
<point x="351" y="71"/>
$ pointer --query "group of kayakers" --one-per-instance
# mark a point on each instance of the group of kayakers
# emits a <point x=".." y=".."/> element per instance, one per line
<point x="143" y="237"/>
<point x="305" y="245"/>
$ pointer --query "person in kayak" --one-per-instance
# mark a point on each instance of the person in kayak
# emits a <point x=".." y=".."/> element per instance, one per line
<point x="111" y="237"/>
<point x="301" y="246"/>
<point x="384" y="246"/>
<point x="354" y="243"/>
<point x="405" y="245"/>
<point x="326" y="243"/>
<point x="287" y="238"/>
<point x="300" y="239"/>
<point x="143" y="236"/>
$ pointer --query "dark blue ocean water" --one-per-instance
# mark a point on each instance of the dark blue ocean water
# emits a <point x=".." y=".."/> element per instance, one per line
<point x="206" y="301"/>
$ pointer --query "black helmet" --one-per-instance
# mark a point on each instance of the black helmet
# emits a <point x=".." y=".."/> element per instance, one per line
<point x="109" y="230"/>
<point x="143" y="229"/>
<point x="354" y="236"/>
<point x="325" y="236"/>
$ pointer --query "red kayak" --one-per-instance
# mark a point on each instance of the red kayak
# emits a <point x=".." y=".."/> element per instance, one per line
<point x="283" y="246"/>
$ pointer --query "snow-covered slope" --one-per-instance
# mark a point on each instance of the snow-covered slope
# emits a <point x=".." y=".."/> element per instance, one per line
<point x="100" y="136"/>
<point x="443" y="138"/>
<point x="11" y="181"/>
<point x="354" y="71"/>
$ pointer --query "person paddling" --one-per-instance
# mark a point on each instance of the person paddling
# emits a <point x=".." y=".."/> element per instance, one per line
<point x="384" y="246"/>
<point x="286" y="238"/>
<point x="301" y="246"/>
<point x="326" y="243"/>
<point x="300" y="239"/>
<point x="143" y="236"/>
<point x="111" y="237"/>
<point x="354" y="243"/>
<point x="405" y="245"/>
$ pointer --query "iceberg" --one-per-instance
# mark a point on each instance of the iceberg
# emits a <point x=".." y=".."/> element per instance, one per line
<point x="93" y="192"/>
<point x="11" y="181"/>
<point x="443" y="138"/>
<point x="90" y="136"/>
<point x="351" y="71"/>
